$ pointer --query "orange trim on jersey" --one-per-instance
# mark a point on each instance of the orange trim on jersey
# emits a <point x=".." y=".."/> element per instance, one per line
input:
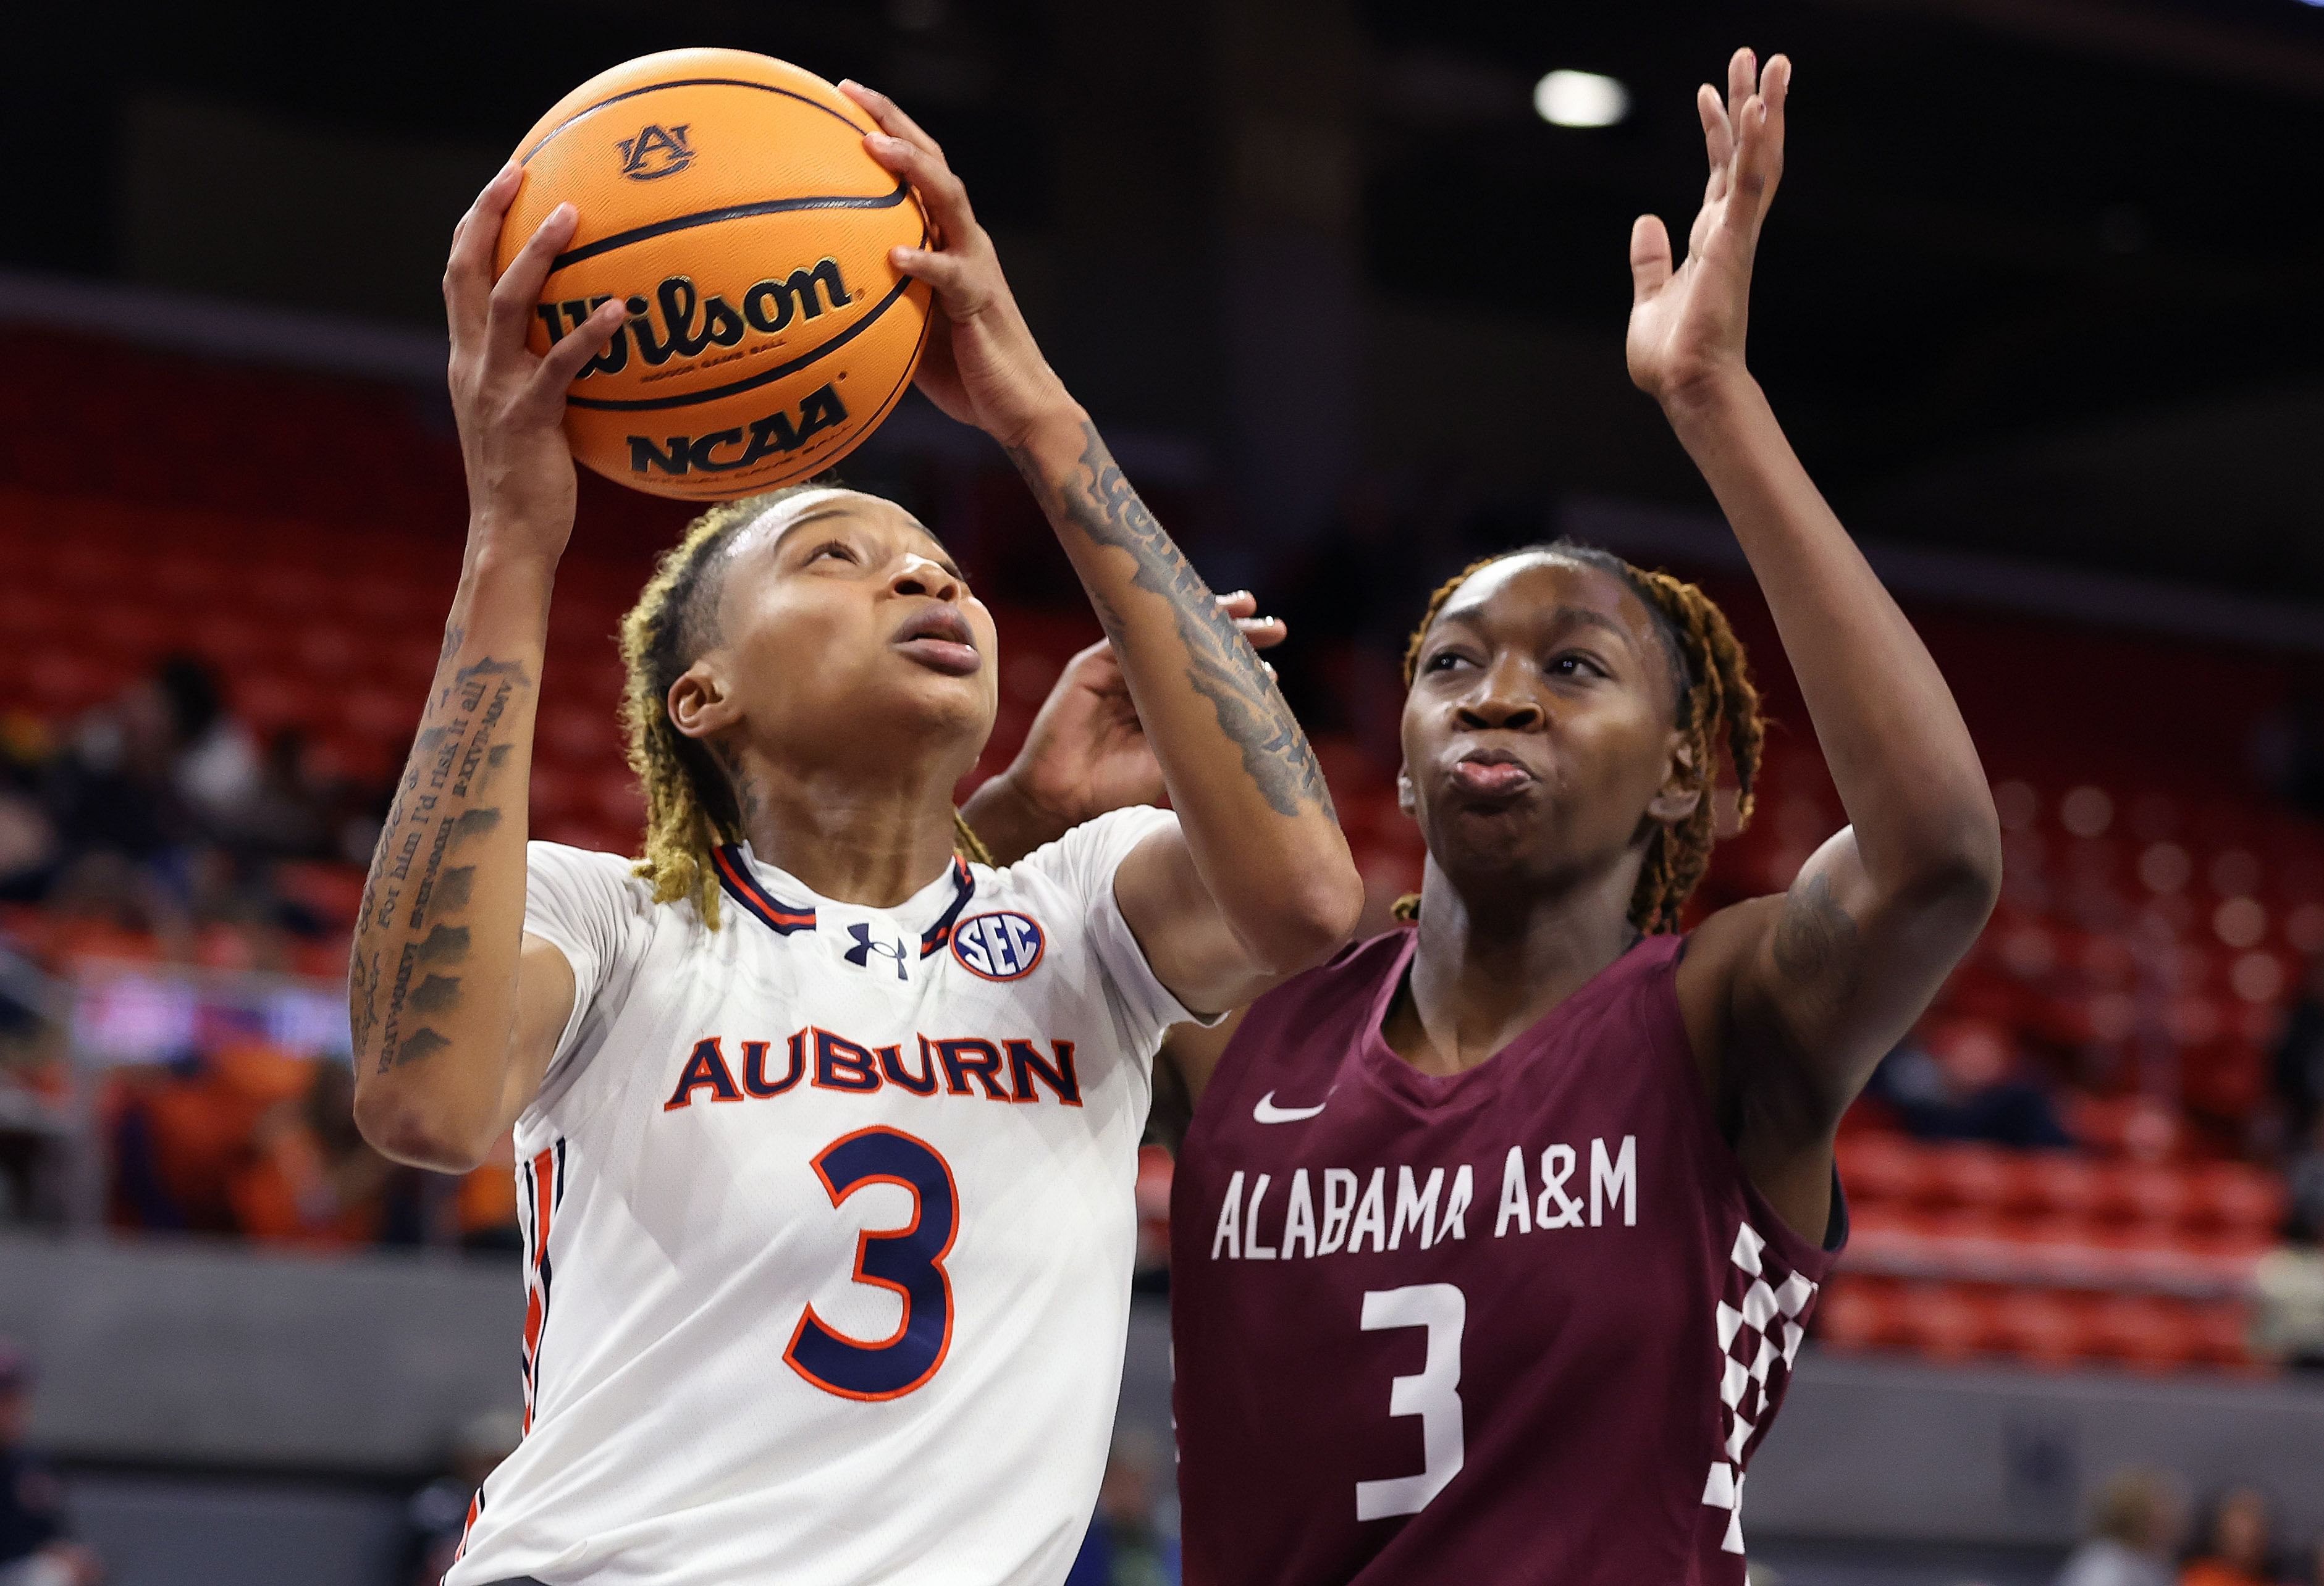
<point x="544" y="1170"/>
<point x="937" y="937"/>
<point x="779" y="917"/>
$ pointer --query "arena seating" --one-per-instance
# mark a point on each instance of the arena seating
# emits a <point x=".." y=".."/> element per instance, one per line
<point x="2157" y="918"/>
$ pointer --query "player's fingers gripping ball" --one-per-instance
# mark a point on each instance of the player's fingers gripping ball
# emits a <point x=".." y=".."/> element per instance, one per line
<point x="726" y="198"/>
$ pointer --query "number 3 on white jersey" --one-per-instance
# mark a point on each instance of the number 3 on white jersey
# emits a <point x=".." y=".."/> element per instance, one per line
<point x="908" y="1261"/>
<point x="1434" y="1395"/>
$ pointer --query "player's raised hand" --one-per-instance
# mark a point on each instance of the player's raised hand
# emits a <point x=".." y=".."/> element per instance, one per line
<point x="508" y="401"/>
<point x="1087" y="752"/>
<point x="981" y="365"/>
<point x="1687" y="323"/>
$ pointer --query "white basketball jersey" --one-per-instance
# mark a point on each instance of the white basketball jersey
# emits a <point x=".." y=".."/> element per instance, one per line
<point x="829" y="1226"/>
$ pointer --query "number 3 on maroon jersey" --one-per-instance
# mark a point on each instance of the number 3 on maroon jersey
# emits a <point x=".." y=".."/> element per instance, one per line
<point x="909" y="1260"/>
<point x="1433" y="1394"/>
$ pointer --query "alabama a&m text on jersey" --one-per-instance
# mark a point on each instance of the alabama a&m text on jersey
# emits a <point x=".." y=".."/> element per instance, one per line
<point x="1523" y="1323"/>
<point x="830" y="1222"/>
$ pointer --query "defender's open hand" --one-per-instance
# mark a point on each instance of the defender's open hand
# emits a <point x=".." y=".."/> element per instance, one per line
<point x="1687" y="326"/>
<point x="981" y="365"/>
<point x="509" y="404"/>
<point x="1086" y="752"/>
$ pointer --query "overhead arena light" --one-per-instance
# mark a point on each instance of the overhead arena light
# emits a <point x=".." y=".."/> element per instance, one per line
<point x="1579" y="98"/>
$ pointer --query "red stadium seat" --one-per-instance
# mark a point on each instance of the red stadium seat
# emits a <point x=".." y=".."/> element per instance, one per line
<point x="2143" y="1332"/>
<point x="1859" y="1313"/>
<point x="61" y="683"/>
<point x="1944" y="1321"/>
<point x="384" y="716"/>
<point x="2222" y="1332"/>
<point x="2042" y="1327"/>
<point x="2236" y="1198"/>
<point x="1973" y="1177"/>
<point x="1884" y="1169"/>
<point x="582" y="737"/>
<point x="619" y="804"/>
<point x="2151" y="1195"/>
<point x="2060" y="1184"/>
<point x="271" y="701"/>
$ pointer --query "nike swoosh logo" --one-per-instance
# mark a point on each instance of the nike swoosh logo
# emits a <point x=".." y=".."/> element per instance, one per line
<point x="1266" y="1111"/>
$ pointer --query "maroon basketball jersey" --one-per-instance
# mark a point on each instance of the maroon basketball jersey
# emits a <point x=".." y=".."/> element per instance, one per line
<point x="1524" y="1324"/>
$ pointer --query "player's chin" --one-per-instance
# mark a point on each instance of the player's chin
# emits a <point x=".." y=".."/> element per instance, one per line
<point x="940" y="703"/>
<point x="1490" y="833"/>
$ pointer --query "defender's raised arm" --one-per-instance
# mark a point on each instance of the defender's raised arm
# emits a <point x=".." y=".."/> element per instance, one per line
<point x="1815" y="986"/>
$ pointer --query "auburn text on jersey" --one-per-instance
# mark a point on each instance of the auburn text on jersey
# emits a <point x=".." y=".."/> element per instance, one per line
<point x="1004" y="1070"/>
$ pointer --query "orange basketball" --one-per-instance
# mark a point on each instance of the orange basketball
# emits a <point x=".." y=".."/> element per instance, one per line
<point x="727" y="199"/>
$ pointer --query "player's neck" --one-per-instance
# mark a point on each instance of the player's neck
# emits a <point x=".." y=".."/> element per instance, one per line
<point x="846" y="838"/>
<point x="1486" y="969"/>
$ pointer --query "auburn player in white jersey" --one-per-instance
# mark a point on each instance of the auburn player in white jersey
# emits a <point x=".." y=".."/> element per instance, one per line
<point x="827" y="1132"/>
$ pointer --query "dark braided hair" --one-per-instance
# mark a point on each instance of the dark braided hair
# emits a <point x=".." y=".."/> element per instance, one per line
<point x="1717" y="706"/>
<point x="690" y="806"/>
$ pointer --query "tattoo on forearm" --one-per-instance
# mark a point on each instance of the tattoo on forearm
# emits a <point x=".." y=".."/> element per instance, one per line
<point x="1817" y="945"/>
<point x="1223" y="668"/>
<point x="436" y="811"/>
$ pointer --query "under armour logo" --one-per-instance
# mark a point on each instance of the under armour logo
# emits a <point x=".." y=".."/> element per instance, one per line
<point x="860" y="954"/>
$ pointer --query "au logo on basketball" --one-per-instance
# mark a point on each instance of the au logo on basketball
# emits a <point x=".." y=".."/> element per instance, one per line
<point x="656" y="152"/>
<point x="1004" y="945"/>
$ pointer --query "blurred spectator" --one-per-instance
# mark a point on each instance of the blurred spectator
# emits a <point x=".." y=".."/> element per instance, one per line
<point x="1963" y="1082"/>
<point x="33" y="1115"/>
<point x="111" y="789"/>
<point x="36" y="1545"/>
<point x="1125" y="1546"/>
<point x="183" y="1134"/>
<point x="214" y="761"/>
<point x="311" y="1180"/>
<point x="2299" y="1056"/>
<point x="287" y="813"/>
<point x="438" y="1512"/>
<point x="2134" y="1528"/>
<point x="2236" y="1543"/>
<point x="30" y="847"/>
<point x="2288" y="1282"/>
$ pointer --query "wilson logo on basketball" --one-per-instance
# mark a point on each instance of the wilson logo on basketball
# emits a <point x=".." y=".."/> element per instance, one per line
<point x="1000" y="947"/>
<point x="678" y="322"/>
<point x="724" y="450"/>
<point x="655" y="152"/>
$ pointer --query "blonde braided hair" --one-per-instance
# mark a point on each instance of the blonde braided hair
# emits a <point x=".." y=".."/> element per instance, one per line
<point x="1717" y="706"/>
<point x="690" y="806"/>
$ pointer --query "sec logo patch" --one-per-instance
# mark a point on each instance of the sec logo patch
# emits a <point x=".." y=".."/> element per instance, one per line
<point x="1002" y="946"/>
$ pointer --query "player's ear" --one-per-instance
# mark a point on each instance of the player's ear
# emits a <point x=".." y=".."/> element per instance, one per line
<point x="700" y="704"/>
<point x="1679" y="793"/>
<point x="1407" y="797"/>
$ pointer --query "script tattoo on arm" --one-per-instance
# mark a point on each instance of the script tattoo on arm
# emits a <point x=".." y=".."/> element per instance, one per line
<point x="410" y="945"/>
<point x="1221" y="665"/>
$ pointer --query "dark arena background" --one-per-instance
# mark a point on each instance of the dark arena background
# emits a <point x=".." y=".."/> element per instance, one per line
<point x="2039" y="306"/>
